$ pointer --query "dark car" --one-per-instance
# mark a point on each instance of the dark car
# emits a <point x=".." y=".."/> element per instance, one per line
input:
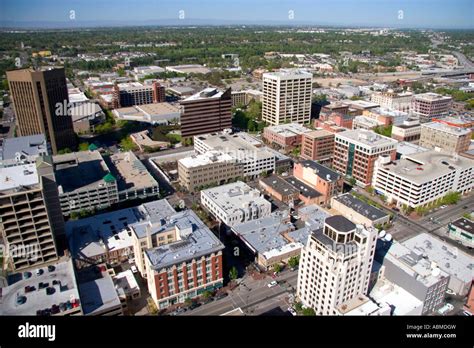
<point x="27" y="275"/>
<point x="62" y="306"/>
<point x="55" y="309"/>
<point x="42" y="285"/>
<point x="224" y="294"/>
<point x="50" y="290"/>
<point x="51" y="268"/>
<point x="29" y="288"/>
<point x="194" y="305"/>
<point x="20" y="300"/>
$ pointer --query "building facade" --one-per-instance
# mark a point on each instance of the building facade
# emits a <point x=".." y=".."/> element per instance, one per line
<point x="392" y="100"/>
<point x="285" y="136"/>
<point x="448" y="138"/>
<point x="356" y="151"/>
<point x="409" y="131"/>
<point x="206" y="112"/>
<point x="41" y="103"/>
<point x="422" y="178"/>
<point x="335" y="265"/>
<point x="427" y="106"/>
<point x="287" y="96"/>
<point x="318" y="146"/>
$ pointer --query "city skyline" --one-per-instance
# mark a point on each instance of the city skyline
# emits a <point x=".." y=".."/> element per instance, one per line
<point x="437" y="14"/>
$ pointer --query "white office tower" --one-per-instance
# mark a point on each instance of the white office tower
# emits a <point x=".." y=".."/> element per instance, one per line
<point x="335" y="265"/>
<point x="286" y="96"/>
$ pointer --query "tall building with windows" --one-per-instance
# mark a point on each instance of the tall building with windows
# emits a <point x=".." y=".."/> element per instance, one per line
<point x="449" y="138"/>
<point x="335" y="265"/>
<point x="427" y="106"/>
<point x="206" y="112"/>
<point x="30" y="214"/>
<point x="40" y="100"/>
<point x="356" y="151"/>
<point x="287" y="96"/>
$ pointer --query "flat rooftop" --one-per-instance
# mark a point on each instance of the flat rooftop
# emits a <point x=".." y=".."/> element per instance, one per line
<point x="366" y="210"/>
<point x="366" y="138"/>
<point x="289" y="74"/>
<point x="405" y="148"/>
<point x="99" y="295"/>
<point x="153" y="109"/>
<point x="205" y="94"/>
<point x="189" y="68"/>
<point x="206" y="159"/>
<point x="450" y="259"/>
<point x="425" y="166"/>
<point x="279" y="185"/>
<point x="321" y="171"/>
<point x="288" y="129"/>
<point x="319" y="133"/>
<point x="430" y="97"/>
<point x="443" y="127"/>
<point x="195" y="239"/>
<point x="345" y="249"/>
<point x="153" y="218"/>
<point x="242" y="146"/>
<point x="65" y="290"/>
<point x="30" y="145"/>
<point x="15" y="177"/>
<point x="340" y="223"/>
<point x="129" y="171"/>
<point x="93" y="236"/>
<point x="412" y="262"/>
<point x="464" y="224"/>
<point x="360" y="104"/>
<point x="401" y="301"/>
<point x="79" y="170"/>
<point x="235" y="196"/>
<point x="304" y="189"/>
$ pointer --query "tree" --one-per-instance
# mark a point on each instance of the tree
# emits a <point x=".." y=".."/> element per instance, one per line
<point x="308" y="312"/>
<point x="127" y="144"/>
<point x="83" y="146"/>
<point x="233" y="273"/>
<point x="294" y="261"/>
<point x="467" y="216"/>
<point x="277" y="268"/>
<point x="188" y="302"/>
<point x="65" y="150"/>
<point x="451" y="198"/>
<point x="352" y="181"/>
<point x="207" y="294"/>
<point x="370" y="190"/>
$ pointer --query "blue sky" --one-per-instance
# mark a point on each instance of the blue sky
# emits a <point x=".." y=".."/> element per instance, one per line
<point x="416" y="13"/>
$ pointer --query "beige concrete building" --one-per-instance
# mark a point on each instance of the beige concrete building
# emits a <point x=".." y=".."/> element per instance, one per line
<point x="448" y="138"/>
<point x="409" y="131"/>
<point x="144" y="141"/>
<point x="335" y="265"/>
<point x="427" y="106"/>
<point x="392" y="100"/>
<point x="30" y="213"/>
<point x="210" y="168"/>
<point x="287" y="96"/>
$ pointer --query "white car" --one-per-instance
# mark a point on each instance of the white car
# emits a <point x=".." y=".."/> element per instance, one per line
<point x="134" y="269"/>
<point x="448" y="307"/>
<point x="272" y="284"/>
<point x="292" y="311"/>
<point x="450" y="292"/>
<point x="467" y="314"/>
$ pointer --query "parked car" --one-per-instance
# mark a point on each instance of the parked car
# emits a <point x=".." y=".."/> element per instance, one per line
<point x="29" y="288"/>
<point x="194" y="305"/>
<point x="26" y="275"/>
<point x="272" y="284"/>
<point x="39" y="271"/>
<point x="20" y="300"/>
<point x="466" y="313"/>
<point x="450" y="292"/>
<point x="134" y="269"/>
<point x="292" y="311"/>
<point x="222" y="295"/>
<point x="448" y="307"/>
<point x="51" y="268"/>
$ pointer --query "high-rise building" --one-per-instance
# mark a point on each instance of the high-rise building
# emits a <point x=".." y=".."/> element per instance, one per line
<point x="206" y="112"/>
<point x="335" y="265"/>
<point x="427" y="106"/>
<point x="30" y="213"/>
<point x="356" y="151"/>
<point x="392" y="100"/>
<point x="40" y="101"/>
<point x="287" y="96"/>
<point x="135" y="93"/>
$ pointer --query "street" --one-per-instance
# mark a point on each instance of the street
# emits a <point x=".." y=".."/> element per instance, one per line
<point x="253" y="296"/>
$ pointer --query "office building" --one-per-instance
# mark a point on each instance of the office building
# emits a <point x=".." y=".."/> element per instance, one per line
<point x="409" y="131"/>
<point x="393" y="100"/>
<point x="422" y="178"/>
<point x="207" y="169"/>
<point x="22" y="150"/>
<point x="319" y="177"/>
<point x="457" y="264"/>
<point x="206" y="112"/>
<point x="246" y="150"/>
<point x="427" y="106"/>
<point x="134" y="93"/>
<point x="40" y="100"/>
<point x="287" y="96"/>
<point x="356" y="151"/>
<point x="86" y="116"/>
<point x="318" y="146"/>
<point x="462" y="229"/>
<point x="30" y="213"/>
<point x="367" y="123"/>
<point x="285" y="136"/>
<point x="244" y="97"/>
<point x="187" y="264"/>
<point x="335" y="265"/>
<point x="235" y="203"/>
<point x="448" y="138"/>
<point x="414" y="273"/>
<point x="279" y="189"/>
<point x="358" y="211"/>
